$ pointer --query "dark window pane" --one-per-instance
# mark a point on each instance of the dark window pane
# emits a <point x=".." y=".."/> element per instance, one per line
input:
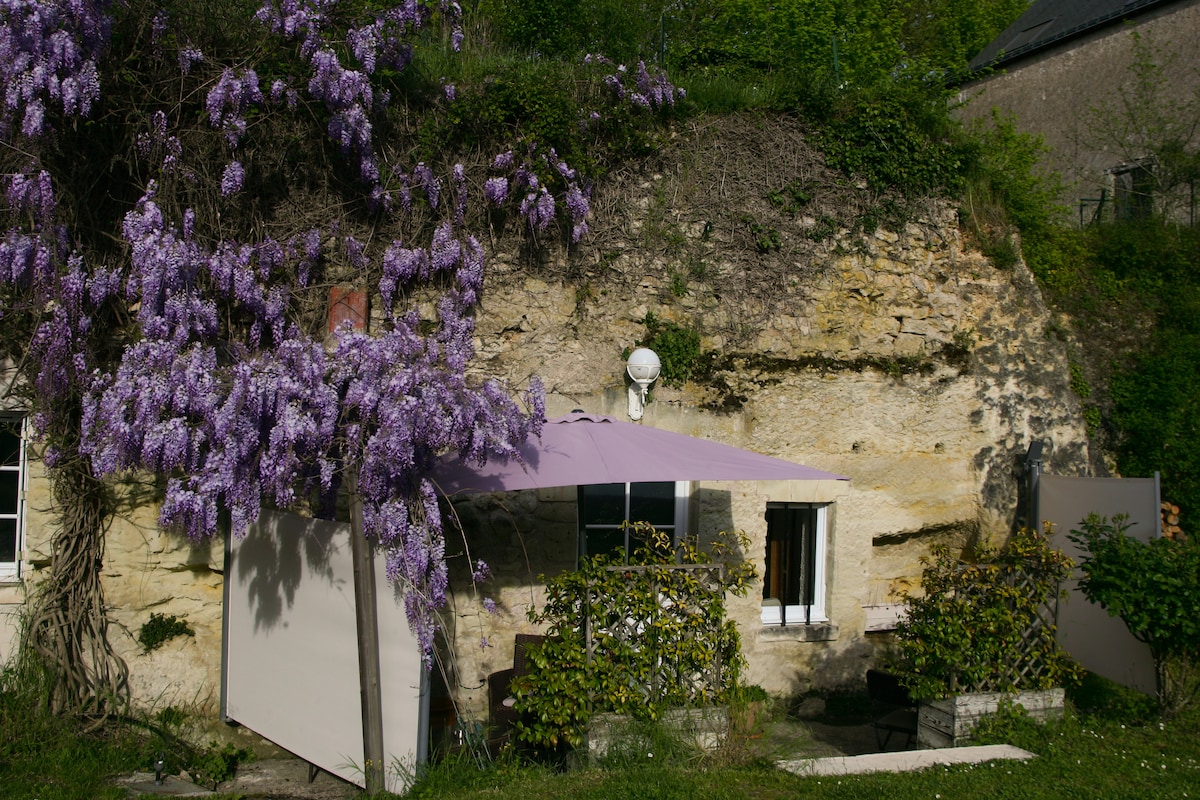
<point x="603" y="504"/>
<point x="605" y="541"/>
<point x="8" y="540"/>
<point x="9" y="486"/>
<point x="10" y="443"/>
<point x="791" y="547"/>
<point x="653" y="503"/>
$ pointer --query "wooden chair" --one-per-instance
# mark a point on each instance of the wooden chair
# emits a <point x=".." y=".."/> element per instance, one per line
<point x="892" y="709"/>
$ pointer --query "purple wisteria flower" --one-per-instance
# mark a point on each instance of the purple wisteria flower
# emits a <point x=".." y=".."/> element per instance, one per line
<point x="424" y="176"/>
<point x="48" y="53"/>
<point x="219" y="390"/>
<point x="651" y="91"/>
<point x="158" y="25"/>
<point x="232" y="178"/>
<point x="496" y="190"/>
<point x="229" y="100"/>
<point x="188" y="58"/>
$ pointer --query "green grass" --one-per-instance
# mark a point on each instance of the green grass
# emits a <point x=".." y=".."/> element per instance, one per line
<point x="1081" y="757"/>
<point x="1096" y="753"/>
<point x="51" y="758"/>
<point x="47" y="757"/>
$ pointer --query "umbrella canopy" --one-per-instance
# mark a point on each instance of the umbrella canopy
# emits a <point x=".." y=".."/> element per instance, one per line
<point x="583" y="449"/>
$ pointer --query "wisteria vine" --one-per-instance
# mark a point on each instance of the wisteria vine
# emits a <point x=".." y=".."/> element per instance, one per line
<point x="221" y="388"/>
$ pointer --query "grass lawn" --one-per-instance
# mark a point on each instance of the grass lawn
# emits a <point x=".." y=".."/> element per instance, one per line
<point x="1078" y="758"/>
<point x="1108" y="750"/>
<point x="1111" y="748"/>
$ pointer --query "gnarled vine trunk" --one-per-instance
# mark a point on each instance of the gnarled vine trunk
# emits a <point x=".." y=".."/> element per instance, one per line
<point x="68" y="625"/>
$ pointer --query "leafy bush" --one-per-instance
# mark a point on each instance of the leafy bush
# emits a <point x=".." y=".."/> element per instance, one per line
<point x="677" y="347"/>
<point x="1152" y="586"/>
<point x="900" y="142"/>
<point x="217" y="764"/>
<point x="631" y="636"/>
<point x="1154" y="412"/>
<point x="1097" y="696"/>
<point x="978" y="623"/>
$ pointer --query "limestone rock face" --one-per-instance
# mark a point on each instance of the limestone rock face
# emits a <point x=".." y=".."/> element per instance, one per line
<point x="883" y="349"/>
<point x="899" y="357"/>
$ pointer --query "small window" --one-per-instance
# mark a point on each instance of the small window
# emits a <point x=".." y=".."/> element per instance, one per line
<point x="794" y="573"/>
<point x="12" y="485"/>
<point x="604" y="509"/>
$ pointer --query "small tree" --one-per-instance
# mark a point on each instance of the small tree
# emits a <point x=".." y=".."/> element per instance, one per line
<point x="1150" y="122"/>
<point x="635" y="636"/>
<point x="985" y="625"/>
<point x="1154" y="587"/>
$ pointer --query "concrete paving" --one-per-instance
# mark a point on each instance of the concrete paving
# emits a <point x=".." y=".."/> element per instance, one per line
<point x="903" y="760"/>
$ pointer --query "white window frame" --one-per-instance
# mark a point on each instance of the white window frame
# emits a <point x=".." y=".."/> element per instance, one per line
<point x="10" y="571"/>
<point x="797" y="613"/>
<point x="683" y="493"/>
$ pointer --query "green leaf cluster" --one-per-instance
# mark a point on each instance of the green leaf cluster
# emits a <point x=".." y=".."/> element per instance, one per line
<point x="161" y="628"/>
<point x="626" y="30"/>
<point x="677" y="347"/>
<point x="633" y="635"/>
<point x="979" y="626"/>
<point x="1154" y="588"/>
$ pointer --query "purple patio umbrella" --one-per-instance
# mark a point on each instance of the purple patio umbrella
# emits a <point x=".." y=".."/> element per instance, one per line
<point x="582" y="449"/>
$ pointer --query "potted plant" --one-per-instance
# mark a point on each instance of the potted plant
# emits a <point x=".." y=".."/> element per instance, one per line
<point x="981" y="633"/>
<point x="637" y="638"/>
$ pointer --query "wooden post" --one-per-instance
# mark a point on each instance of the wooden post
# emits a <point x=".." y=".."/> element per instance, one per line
<point x="367" y="619"/>
<point x="350" y="305"/>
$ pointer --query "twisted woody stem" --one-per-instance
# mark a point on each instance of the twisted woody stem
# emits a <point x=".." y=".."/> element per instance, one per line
<point x="68" y="625"/>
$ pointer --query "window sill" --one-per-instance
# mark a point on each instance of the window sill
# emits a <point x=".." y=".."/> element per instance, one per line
<point x="816" y="632"/>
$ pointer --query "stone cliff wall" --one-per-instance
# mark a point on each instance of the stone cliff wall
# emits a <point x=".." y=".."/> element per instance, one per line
<point x="845" y="330"/>
<point x="896" y="355"/>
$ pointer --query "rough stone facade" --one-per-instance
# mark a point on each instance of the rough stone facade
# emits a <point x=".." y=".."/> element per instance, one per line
<point x="1052" y="93"/>
<point x="894" y="355"/>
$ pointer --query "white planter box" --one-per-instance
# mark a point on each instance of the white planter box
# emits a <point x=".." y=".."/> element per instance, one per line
<point x="704" y="728"/>
<point x="949" y="722"/>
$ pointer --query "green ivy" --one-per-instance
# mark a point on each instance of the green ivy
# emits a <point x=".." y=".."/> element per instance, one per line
<point x="897" y="143"/>
<point x="673" y="595"/>
<point x="161" y="628"/>
<point x="962" y="633"/>
<point x="677" y="347"/>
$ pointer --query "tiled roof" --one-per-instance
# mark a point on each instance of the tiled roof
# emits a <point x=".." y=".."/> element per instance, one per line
<point x="1048" y="22"/>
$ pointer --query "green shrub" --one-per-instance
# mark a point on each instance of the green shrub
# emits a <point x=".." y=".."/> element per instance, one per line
<point x="1152" y="587"/>
<point x="977" y="626"/>
<point x="677" y="347"/>
<point x="655" y="622"/>
<point x="898" y="141"/>
<point x="217" y="764"/>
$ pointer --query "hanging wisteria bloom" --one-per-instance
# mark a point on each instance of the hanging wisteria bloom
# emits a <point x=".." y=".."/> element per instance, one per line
<point x="232" y="178"/>
<point x="224" y="379"/>
<point x="48" y="53"/>
<point x="496" y="190"/>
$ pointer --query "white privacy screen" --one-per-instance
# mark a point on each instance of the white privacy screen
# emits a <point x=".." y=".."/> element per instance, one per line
<point x="291" y="649"/>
